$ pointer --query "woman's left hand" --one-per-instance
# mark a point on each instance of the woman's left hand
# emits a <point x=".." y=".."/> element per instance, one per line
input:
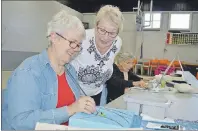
<point x="126" y="90"/>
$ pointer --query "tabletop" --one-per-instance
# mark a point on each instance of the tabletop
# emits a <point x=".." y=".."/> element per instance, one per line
<point x="184" y="106"/>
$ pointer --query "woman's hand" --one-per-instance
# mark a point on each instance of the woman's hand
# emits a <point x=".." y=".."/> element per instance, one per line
<point x="140" y="84"/>
<point x="126" y="90"/>
<point x="85" y="104"/>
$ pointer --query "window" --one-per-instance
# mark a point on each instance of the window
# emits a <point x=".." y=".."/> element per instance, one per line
<point x="152" y="21"/>
<point x="180" y="21"/>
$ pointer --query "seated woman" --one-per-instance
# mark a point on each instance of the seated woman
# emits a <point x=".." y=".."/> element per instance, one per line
<point x="44" y="87"/>
<point x="122" y="78"/>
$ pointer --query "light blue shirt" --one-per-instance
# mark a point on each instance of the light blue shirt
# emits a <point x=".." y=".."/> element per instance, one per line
<point x="31" y="95"/>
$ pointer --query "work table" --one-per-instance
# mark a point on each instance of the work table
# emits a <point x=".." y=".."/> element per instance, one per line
<point x="184" y="106"/>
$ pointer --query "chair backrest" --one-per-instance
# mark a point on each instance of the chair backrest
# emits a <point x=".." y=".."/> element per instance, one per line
<point x="154" y="62"/>
<point x="176" y="64"/>
<point x="163" y="62"/>
<point x="146" y="62"/>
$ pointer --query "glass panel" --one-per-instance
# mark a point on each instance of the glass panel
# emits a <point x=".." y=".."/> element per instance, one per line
<point x="156" y="24"/>
<point x="180" y="21"/>
<point x="147" y="17"/>
<point x="147" y="25"/>
<point x="157" y="16"/>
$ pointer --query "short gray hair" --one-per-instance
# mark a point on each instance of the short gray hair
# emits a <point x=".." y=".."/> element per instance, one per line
<point x="63" y="21"/>
<point x="113" y="13"/>
<point x="123" y="57"/>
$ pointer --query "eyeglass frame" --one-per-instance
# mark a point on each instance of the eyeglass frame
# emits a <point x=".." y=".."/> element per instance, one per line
<point x="70" y="42"/>
<point x="106" y="32"/>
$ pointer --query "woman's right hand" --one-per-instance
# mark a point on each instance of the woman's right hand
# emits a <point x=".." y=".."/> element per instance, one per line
<point x="140" y="84"/>
<point x="84" y="104"/>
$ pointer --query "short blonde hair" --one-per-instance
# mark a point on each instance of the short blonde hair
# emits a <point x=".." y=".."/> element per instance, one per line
<point x="113" y="13"/>
<point x="123" y="57"/>
<point x="63" y="21"/>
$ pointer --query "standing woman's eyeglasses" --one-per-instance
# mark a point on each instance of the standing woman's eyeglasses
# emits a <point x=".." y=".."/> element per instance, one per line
<point x="103" y="32"/>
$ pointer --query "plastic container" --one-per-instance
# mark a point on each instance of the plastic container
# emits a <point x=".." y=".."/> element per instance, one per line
<point x="147" y="103"/>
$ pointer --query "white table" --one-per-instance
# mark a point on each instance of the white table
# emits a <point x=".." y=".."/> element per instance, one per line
<point x="185" y="106"/>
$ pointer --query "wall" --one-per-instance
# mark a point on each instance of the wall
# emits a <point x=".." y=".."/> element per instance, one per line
<point x="24" y="27"/>
<point x="12" y="59"/>
<point x="24" y="24"/>
<point x="24" y="32"/>
<point x="154" y="41"/>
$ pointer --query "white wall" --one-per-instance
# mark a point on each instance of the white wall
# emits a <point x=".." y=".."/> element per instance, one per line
<point x="24" y="27"/>
<point x="154" y="41"/>
<point x="24" y="24"/>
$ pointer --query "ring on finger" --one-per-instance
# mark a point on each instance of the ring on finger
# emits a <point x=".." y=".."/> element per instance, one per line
<point x="86" y="103"/>
<point x="85" y="107"/>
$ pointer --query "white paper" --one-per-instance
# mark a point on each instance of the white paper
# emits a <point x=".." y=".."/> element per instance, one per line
<point x="153" y="125"/>
<point x="149" y="118"/>
<point x="45" y="126"/>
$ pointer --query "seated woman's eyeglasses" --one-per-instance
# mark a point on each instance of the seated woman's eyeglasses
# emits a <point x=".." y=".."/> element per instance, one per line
<point x="103" y="32"/>
<point x="72" y="44"/>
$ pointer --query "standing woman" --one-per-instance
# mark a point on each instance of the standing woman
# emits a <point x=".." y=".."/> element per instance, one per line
<point x="94" y="65"/>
